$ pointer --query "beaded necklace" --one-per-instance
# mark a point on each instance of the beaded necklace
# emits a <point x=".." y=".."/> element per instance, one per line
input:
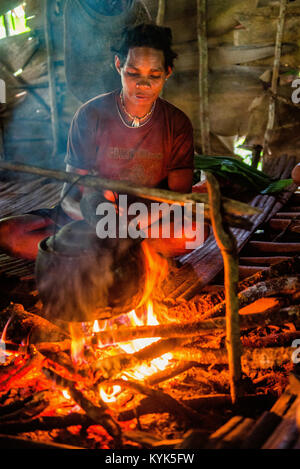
<point x="135" y="119"/>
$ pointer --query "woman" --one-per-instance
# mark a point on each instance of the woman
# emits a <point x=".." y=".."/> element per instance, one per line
<point x="129" y="134"/>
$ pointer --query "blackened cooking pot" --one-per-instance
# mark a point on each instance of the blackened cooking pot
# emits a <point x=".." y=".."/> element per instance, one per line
<point x="82" y="278"/>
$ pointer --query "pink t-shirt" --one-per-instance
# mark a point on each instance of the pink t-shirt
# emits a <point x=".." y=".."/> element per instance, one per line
<point x="100" y="142"/>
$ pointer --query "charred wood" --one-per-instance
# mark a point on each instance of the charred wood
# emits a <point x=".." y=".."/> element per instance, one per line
<point x="98" y="414"/>
<point x="170" y="404"/>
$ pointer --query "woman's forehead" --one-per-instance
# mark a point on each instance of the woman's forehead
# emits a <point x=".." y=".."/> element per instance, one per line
<point x="145" y="57"/>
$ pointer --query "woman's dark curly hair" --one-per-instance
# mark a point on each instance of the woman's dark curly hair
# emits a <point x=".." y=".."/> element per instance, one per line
<point x="147" y="35"/>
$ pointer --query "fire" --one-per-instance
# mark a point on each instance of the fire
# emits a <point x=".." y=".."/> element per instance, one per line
<point x="156" y="269"/>
<point x="141" y="372"/>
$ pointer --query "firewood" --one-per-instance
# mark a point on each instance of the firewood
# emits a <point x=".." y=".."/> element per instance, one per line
<point x="11" y="409"/>
<point x="30" y="409"/>
<point x="23" y="325"/>
<point x="273" y="340"/>
<point x="203" y="403"/>
<point x="24" y="366"/>
<point x="169" y="373"/>
<point x="112" y="366"/>
<point x="274" y="315"/>
<point x="170" y="404"/>
<point x="46" y="424"/>
<point x="286" y="267"/>
<point x="272" y="287"/>
<point x="15" y="442"/>
<point x="252" y="358"/>
<point x="98" y="414"/>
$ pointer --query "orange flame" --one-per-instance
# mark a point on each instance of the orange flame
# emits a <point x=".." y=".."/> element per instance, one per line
<point x="143" y="371"/>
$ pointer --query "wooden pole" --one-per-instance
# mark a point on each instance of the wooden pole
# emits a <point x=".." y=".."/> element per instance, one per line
<point x="203" y="76"/>
<point x="161" y="12"/>
<point x="235" y="212"/>
<point x="48" y="10"/>
<point x="274" y="84"/>
<point x="227" y="245"/>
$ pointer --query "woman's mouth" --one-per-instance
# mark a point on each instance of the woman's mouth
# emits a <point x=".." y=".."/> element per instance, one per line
<point x="143" y="97"/>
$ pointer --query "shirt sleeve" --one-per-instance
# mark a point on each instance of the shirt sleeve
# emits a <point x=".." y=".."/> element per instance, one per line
<point x="182" y="155"/>
<point x="81" y="147"/>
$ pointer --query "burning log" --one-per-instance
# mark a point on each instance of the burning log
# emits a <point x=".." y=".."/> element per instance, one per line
<point x="272" y="287"/>
<point x="23" y="325"/>
<point x="97" y="414"/>
<point x="274" y="315"/>
<point x="12" y="410"/>
<point x="251" y="359"/>
<point x="19" y="368"/>
<point x="170" y="405"/>
<point x="273" y="340"/>
<point x="286" y="267"/>
<point x="112" y="366"/>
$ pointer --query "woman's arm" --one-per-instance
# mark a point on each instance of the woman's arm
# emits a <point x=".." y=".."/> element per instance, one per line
<point x="180" y="180"/>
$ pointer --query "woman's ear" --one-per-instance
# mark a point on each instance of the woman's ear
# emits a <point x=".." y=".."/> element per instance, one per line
<point x="118" y="64"/>
<point x="169" y="72"/>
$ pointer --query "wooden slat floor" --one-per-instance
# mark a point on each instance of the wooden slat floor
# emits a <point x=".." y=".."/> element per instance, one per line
<point x="16" y="198"/>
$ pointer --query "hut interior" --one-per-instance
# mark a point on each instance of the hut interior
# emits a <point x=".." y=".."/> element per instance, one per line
<point x="211" y="359"/>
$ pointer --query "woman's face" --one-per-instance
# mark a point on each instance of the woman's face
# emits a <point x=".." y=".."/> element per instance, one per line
<point x="143" y="76"/>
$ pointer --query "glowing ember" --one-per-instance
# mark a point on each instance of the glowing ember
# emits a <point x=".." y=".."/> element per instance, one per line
<point x="66" y="394"/>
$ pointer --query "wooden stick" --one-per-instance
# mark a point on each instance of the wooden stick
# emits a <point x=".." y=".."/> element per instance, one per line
<point x="272" y="316"/>
<point x="204" y="403"/>
<point x="232" y="208"/>
<point x="98" y="414"/>
<point x="48" y="13"/>
<point x="203" y="76"/>
<point x="276" y="65"/>
<point x="112" y="366"/>
<point x="251" y="358"/>
<point x="170" y="404"/>
<point x="227" y="245"/>
<point x="46" y="424"/>
<point x="161" y="12"/>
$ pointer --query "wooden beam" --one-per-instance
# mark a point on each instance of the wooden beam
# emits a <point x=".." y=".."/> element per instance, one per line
<point x="203" y="76"/>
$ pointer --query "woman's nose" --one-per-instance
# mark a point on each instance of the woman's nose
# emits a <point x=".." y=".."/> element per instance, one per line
<point x="143" y="82"/>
